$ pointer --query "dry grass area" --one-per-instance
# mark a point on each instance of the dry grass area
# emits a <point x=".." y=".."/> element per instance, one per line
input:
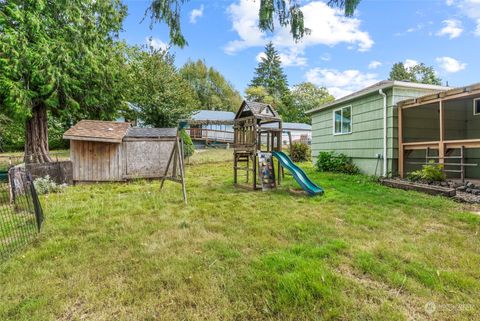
<point x="361" y="252"/>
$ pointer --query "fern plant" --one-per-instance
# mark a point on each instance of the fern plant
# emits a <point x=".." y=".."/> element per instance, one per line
<point x="431" y="172"/>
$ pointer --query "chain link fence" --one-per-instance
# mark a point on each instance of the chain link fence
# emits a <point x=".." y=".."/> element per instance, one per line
<point x="21" y="214"/>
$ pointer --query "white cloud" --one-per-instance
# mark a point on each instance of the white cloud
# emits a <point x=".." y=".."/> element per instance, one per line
<point x="449" y="2"/>
<point x="450" y="64"/>
<point x="156" y="43"/>
<point x="452" y="28"/>
<point x="409" y="63"/>
<point x="195" y="14"/>
<point x="341" y="83"/>
<point x="374" y="64"/>
<point x="292" y="57"/>
<point x="470" y="9"/>
<point x="328" y="27"/>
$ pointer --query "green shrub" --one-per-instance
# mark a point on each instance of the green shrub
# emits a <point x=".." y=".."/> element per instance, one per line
<point x="45" y="185"/>
<point x="300" y="152"/>
<point x="188" y="147"/>
<point x="431" y="172"/>
<point x="336" y="162"/>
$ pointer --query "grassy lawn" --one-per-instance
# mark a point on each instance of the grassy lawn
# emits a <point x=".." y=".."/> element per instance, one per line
<point x="361" y="252"/>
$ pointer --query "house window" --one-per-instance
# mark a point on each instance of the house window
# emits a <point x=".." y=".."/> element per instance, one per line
<point x="476" y="106"/>
<point x="342" y="119"/>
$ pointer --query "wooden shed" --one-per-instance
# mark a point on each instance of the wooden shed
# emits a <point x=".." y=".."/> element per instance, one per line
<point x="114" y="151"/>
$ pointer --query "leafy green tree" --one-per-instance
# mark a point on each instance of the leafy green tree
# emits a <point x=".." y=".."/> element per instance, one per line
<point x="270" y="75"/>
<point x="62" y="56"/>
<point x="419" y="73"/>
<point x="161" y="94"/>
<point x="259" y="94"/>
<point x="212" y="89"/>
<point x="307" y="96"/>
<point x="287" y="13"/>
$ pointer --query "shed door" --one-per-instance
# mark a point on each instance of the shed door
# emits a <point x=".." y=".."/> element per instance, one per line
<point x="147" y="158"/>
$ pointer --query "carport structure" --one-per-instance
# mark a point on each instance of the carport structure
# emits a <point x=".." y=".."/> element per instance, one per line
<point x="443" y="127"/>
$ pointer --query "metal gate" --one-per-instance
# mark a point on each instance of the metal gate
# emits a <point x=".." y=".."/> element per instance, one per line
<point x="21" y="214"/>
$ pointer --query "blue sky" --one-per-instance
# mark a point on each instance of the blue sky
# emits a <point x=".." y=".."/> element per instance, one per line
<point x="342" y="54"/>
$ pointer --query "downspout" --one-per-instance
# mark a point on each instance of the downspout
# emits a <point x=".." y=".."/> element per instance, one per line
<point x="385" y="137"/>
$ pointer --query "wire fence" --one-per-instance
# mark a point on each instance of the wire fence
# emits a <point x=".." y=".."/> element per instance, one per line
<point x="21" y="214"/>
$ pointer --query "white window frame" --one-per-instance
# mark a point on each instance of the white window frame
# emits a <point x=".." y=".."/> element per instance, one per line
<point x="341" y="124"/>
<point x="475" y="107"/>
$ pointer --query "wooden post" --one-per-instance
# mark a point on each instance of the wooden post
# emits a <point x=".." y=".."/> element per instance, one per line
<point x="255" y="164"/>
<point x="441" y="144"/>
<point x="182" y="169"/>
<point x="168" y="166"/>
<point x="462" y="167"/>
<point x="234" y="168"/>
<point x="401" y="151"/>
<point x="176" y="155"/>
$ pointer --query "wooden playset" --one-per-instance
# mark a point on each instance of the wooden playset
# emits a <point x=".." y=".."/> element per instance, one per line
<point x="252" y="138"/>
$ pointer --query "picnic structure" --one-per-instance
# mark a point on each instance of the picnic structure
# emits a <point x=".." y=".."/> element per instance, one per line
<point x="252" y="136"/>
<point x="107" y="151"/>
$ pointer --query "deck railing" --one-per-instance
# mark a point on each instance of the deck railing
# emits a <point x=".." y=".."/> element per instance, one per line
<point x="211" y="135"/>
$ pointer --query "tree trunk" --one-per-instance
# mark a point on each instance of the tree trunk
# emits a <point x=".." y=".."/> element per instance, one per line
<point x="36" y="136"/>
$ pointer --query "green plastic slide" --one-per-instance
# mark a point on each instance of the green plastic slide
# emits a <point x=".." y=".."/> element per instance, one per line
<point x="299" y="175"/>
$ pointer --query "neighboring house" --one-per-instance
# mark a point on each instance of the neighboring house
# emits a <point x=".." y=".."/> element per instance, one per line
<point x="364" y="125"/>
<point x="210" y="126"/>
<point x="299" y="132"/>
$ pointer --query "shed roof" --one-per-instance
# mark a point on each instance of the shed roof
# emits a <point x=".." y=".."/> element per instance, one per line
<point x="385" y="84"/>
<point x="97" y="130"/>
<point x="135" y="132"/>
<point x="258" y="110"/>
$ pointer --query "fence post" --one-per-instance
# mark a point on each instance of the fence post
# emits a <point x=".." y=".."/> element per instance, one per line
<point x="36" y="202"/>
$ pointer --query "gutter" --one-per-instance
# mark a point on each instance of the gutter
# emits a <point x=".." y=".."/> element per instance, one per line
<point x="381" y="86"/>
<point x="385" y="114"/>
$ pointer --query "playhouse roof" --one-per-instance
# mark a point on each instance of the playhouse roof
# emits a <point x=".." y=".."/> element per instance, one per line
<point x="97" y="130"/>
<point x="258" y="110"/>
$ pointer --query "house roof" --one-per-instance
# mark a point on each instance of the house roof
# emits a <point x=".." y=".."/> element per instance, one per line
<point x="291" y="126"/>
<point x="135" y="132"/>
<point x="385" y="84"/>
<point x="452" y="93"/>
<point x="213" y="117"/>
<point x="258" y="110"/>
<point x="97" y="130"/>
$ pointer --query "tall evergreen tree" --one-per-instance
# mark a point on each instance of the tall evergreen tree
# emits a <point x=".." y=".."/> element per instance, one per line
<point x="270" y="75"/>
<point x="60" y="56"/>
<point x="419" y="73"/>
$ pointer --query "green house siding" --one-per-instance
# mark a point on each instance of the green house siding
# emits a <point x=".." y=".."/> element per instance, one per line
<point x="366" y="140"/>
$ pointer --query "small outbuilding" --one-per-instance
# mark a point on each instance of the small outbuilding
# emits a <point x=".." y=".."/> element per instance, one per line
<point x="211" y="127"/>
<point x="114" y="151"/>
